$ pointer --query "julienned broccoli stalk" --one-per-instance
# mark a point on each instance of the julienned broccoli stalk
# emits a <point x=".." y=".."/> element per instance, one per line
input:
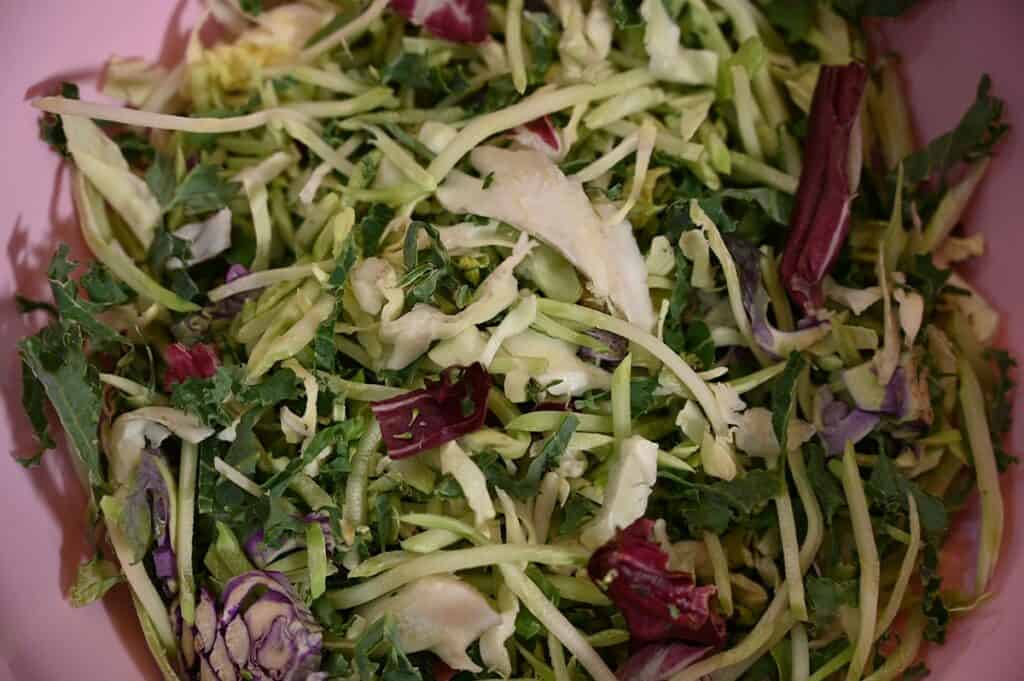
<point x="831" y="175"/>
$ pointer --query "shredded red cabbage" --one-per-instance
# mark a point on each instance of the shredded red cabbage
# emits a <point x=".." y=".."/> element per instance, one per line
<point x="755" y="301"/>
<point x="831" y="175"/>
<point x="660" y="661"/>
<point x="262" y="553"/>
<point x="539" y="134"/>
<point x="659" y="604"/>
<point x="229" y="307"/>
<point x="441" y="671"/>
<point x="461" y="21"/>
<point x="184" y="362"/>
<point x="441" y="412"/>
<point x="841" y="424"/>
<point x="262" y="630"/>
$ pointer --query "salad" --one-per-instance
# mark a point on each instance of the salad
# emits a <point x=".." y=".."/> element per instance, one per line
<point x="443" y="339"/>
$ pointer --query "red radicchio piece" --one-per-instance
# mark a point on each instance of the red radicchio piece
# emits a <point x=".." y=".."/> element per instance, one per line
<point x="184" y="362"/>
<point x="441" y="671"/>
<point x="659" y="604"/>
<point x="441" y="412"/>
<point x="660" y="661"/>
<point x="461" y="21"/>
<point x="539" y="134"/>
<point x="830" y="177"/>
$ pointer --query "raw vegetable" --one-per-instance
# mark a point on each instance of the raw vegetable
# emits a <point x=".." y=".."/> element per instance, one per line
<point x="443" y="339"/>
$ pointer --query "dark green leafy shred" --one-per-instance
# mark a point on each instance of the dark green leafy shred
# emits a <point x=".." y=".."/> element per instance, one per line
<point x="626" y="14"/>
<point x="207" y="398"/>
<point x="162" y="179"/>
<point x="550" y="454"/>
<point x="641" y="395"/>
<point x="56" y="356"/>
<point x="372" y="227"/>
<point x="826" y="487"/>
<point x="794" y="17"/>
<point x="203" y="190"/>
<point x="415" y="71"/>
<point x="858" y="9"/>
<point x="578" y="510"/>
<point x="330" y="436"/>
<point x="540" y="30"/>
<point x="934" y="606"/>
<point x="784" y="397"/>
<point x="167" y="249"/>
<point x="927" y="279"/>
<point x="380" y="641"/>
<point x="715" y="507"/>
<point x="887" y="490"/>
<point x="253" y="7"/>
<point x="974" y="137"/>
<point x="776" y="205"/>
<point x="1001" y="406"/>
<point x="343" y="266"/>
<point x="825" y="596"/>
<point x="73" y="308"/>
<point x="33" y="399"/>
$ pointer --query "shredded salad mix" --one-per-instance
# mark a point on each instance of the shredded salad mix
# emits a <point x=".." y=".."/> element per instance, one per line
<point x="444" y="339"/>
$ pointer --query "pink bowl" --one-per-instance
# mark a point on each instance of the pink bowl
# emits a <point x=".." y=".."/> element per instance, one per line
<point x="946" y="45"/>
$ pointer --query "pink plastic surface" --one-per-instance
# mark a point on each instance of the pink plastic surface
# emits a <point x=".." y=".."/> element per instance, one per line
<point x="946" y="46"/>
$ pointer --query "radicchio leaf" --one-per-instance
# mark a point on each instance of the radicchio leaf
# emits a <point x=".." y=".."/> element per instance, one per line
<point x="184" y="362"/>
<point x="441" y="671"/>
<point x="660" y="661"/>
<point x="830" y="177"/>
<point x="441" y="412"/>
<point x="539" y="134"/>
<point x="659" y="604"/>
<point x="461" y="21"/>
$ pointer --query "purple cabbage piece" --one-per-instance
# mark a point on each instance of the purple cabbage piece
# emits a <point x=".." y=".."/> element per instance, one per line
<point x="147" y="518"/>
<point x="755" y="302"/>
<point x="263" y="554"/>
<point x="617" y="349"/>
<point x="906" y="397"/>
<point x="828" y="183"/>
<point x="232" y="305"/>
<point x="841" y="424"/>
<point x="262" y="631"/>
<point x="660" y="661"/>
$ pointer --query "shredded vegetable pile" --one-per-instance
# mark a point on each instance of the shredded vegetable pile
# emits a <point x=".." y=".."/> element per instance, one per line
<point x="443" y="339"/>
